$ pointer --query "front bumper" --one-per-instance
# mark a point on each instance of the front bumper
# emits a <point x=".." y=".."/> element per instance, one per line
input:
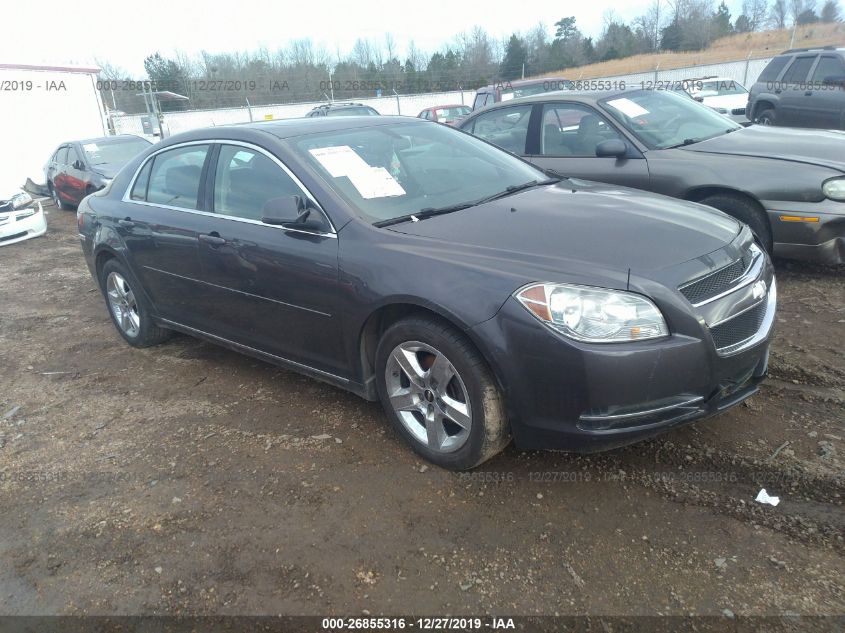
<point x="809" y="231"/>
<point x="566" y="395"/>
<point x="22" y="224"/>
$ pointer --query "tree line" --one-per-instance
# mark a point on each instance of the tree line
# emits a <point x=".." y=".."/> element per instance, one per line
<point x="304" y="71"/>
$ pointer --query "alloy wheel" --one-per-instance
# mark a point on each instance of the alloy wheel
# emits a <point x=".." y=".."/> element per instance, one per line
<point x="123" y="305"/>
<point x="429" y="396"/>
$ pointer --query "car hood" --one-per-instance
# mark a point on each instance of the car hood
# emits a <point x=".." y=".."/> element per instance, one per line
<point x="107" y="170"/>
<point x="814" y="147"/>
<point x="579" y="223"/>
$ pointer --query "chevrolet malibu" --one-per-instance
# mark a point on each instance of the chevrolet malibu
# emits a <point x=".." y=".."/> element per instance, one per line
<point x="477" y="299"/>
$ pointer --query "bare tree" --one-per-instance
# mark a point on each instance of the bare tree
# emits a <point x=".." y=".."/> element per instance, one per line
<point x="779" y="14"/>
<point x="755" y="11"/>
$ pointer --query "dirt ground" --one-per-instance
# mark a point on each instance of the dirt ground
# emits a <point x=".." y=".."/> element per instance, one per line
<point x="187" y="479"/>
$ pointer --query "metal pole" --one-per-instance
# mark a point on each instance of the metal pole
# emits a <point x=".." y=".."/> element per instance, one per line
<point x="398" y="105"/>
<point x="331" y="86"/>
<point x="747" y="62"/>
<point x="249" y="108"/>
<point x="523" y="71"/>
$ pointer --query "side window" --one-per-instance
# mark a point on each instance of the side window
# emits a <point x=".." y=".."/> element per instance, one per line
<point x="72" y="155"/>
<point x="828" y="67"/>
<point x="245" y="179"/>
<point x="505" y="127"/>
<point x="139" y="189"/>
<point x="797" y="72"/>
<point x="573" y="130"/>
<point x="62" y="153"/>
<point x="771" y="72"/>
<point x="175" y="176"/>
<point x="480" y="101"/>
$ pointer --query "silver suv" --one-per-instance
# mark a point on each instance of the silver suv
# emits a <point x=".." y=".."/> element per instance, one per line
<point x="802" y="87"/>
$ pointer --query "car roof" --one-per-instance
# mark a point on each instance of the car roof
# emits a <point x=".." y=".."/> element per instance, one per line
<point x="518" y="83"/>
<point x="814" y="49"/>
<point x="288" y="128"/>
<point x="105" y="140"/>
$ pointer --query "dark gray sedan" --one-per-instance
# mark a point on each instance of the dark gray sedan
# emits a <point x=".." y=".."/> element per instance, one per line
<point x="408" y="262"/>
<point x="787" y="184"/>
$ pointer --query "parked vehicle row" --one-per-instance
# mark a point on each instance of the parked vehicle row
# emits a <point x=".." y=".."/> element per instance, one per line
<point x="787" y="185"/>
<point x="478" y="299"/>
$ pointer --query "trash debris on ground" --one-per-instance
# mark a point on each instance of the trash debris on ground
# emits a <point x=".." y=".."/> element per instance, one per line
<point x="764" y="497"/>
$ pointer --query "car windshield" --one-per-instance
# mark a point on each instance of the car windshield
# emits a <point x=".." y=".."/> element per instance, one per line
<point x="719" y="88"/>
<point x="113" y="150"/>
<point x="662" y="119"/>
<point x="452" y="113"/>
<point x="390" y="171"/>
<point x="352" y="111"/>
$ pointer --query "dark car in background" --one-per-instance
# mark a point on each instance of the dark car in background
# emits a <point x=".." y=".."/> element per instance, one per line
<point x="447" y="114"/>
<point x="802" y="87"/>
<point x="78" y="168"/>
<point x="409" y="263"/>
<point x="787" y="185"/>
<point x="342" y="109"/>
<point x="507" y="90"/>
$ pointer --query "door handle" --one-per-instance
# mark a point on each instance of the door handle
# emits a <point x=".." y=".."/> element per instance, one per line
<point x="778" y="91"/>
<point x="212" y="238"/>
<point x="126" y="223"/>
<point x="808" y="93"/>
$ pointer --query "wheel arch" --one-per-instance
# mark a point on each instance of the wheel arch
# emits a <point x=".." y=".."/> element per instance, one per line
<point x="760" y="105"/>
<point x="382" y="317"/>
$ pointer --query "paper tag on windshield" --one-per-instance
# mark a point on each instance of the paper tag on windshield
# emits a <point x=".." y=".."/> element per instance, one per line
<point x="371" y="182"/>
<point x="376" y="182"/>
<point x="90" y="147"/>
<point x="627" y="107"/>
<point x="507" y="96"/>
<point x="339" y="160"/>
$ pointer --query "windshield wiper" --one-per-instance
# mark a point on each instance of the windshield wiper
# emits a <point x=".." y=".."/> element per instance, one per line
<point x="429" y="212"/>
<point x="692" y="141"/>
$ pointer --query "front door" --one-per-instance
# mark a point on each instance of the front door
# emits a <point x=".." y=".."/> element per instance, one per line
<point x="568" y="136"/>
<point x="269" y="288"/>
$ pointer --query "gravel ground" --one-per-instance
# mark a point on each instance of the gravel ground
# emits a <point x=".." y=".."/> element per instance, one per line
<point x="187" y="479"/>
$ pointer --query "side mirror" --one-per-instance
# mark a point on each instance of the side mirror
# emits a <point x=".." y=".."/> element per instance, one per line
<point x="290" y="212"/>
<point x="699" y="99"/>
<point x="612" y="148"/>
<point x="77" y="164"/>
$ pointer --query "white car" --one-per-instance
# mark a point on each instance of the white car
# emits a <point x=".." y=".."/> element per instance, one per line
<point x="21" y="217"/>
<point x="726" y="96"/>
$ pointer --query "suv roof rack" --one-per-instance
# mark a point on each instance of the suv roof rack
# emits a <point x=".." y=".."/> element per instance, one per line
<point x="829" y="47"/>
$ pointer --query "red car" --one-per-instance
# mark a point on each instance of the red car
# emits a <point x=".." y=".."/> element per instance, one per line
<point x="447" y="114"/>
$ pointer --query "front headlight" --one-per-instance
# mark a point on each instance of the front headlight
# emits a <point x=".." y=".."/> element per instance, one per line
<point x="592" y="314"/>
<point x="20" y="200"/>
<point x="834" y="189"/>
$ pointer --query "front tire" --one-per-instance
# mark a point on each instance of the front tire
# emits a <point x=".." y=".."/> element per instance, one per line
<point x="439" y="394"/>
<point x="746" y="211"/>
<point x="766" y="117"/>
<point x="128" y="308"/>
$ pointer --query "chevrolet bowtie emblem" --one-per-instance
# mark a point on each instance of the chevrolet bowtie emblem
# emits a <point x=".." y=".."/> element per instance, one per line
<point x="758" y="290"/>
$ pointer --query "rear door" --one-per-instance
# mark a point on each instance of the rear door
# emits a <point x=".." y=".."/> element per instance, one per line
<point x="826" y="100"/>
<point x="163" y="218"/>
<point x="266" y="287"/>
<point x="793" y="97"/>
<point x="57" y="171"/>
<point x="506" y="127"/>
<point x="76" y="179"/>
<point x="566" y="143"/>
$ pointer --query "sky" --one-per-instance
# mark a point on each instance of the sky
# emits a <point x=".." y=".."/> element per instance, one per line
<point x="123" y="34"/>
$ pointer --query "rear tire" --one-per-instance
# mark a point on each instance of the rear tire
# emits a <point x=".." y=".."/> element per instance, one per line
<point x="60" y="204"/>
<point x="128" y="307"/>
<point x="746" y="211"/>
<point x="439" y="394"/>
<point x="766" y="117"/>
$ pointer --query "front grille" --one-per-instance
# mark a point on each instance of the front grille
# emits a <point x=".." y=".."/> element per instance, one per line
<point x="738" y="111"/>
<point x="740" y="328"/>
<point x="715" y="283"/>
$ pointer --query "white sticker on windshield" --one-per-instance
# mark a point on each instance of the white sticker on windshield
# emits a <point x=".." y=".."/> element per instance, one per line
<point x="376" y="182"/>
<point x="507" y="96"/>
<point x="627" y="107"/>
<point x="371" y="182"/>
<point x="90" y="147"/>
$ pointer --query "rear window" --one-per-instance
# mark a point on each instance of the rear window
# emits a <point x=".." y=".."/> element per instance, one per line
<point x="771" y="72"/>
<point x="175" y="177"/>
<point x="797" y="72"/>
